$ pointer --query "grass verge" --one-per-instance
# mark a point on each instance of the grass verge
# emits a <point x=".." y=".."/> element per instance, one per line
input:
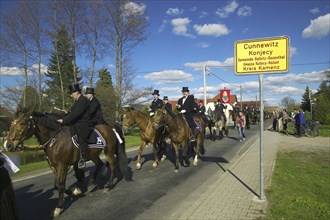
<point x="300" y="187"/>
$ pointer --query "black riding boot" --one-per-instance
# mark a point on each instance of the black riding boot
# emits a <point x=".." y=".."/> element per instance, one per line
<point x="192" y="138"/>
<point x="82" y="160"/>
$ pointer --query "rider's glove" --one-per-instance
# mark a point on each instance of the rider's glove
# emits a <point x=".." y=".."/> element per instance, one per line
<point x="178" y="106"/>
<point x="183" y="111"/>
<point x="151" y="113"/>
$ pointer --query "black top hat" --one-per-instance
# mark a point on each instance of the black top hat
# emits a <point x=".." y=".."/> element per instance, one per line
<point x="74" y="87"/>
<point x="165" y="98"/>
<point x="90" y="90"/>
<point x="156" y="92"/>
<point x="218" y="100"/>
<point x="185" y="89"/>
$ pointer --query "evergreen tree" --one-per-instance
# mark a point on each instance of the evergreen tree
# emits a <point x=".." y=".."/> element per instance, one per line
<point x="306" y="100"/>
<point x="31" y="98"/>
<point x="60" y="71"/>
<point x="105" y="93"/>
<point x="321" y="105"/>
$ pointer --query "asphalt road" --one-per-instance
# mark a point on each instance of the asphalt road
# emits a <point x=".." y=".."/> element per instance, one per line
<point x="154" y="192"/>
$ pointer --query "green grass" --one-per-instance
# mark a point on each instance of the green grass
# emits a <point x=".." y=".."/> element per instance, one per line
<point x="300" y="187"/>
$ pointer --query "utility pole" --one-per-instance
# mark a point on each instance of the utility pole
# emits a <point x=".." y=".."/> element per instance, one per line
<point x="204" y="75"/>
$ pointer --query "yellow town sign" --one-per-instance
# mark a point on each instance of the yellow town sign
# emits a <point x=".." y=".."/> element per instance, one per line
<point x="267" y="55"/>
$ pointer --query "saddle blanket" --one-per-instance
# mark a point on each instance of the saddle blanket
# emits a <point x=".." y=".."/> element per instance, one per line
<point x="95" y="140"/>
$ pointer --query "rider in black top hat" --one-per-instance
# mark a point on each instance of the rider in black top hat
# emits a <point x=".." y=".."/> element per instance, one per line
<point x="79" y="120"/>
<point x="168" y="105"/>
<point x="95" y="107"/>
<point x="186" y="106"/>
<point x="156" y="103"/>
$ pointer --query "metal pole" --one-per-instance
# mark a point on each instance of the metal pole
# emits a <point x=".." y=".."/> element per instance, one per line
<point x="240" y="91"/>
<point x="261" y="82"/>
<point x="204" y="73"/>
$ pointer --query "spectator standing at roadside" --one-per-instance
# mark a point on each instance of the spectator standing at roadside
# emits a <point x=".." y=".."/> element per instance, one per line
<point x="297" y="123"/>
<point x="240" y="124"/>
<point x="285" y="119"/>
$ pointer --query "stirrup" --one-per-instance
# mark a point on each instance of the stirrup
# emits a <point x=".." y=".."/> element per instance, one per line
<point x="192" y="139"/>
<point x="81" y="164"/>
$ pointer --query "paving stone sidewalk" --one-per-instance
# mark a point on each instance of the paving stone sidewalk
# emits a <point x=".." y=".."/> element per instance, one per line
<point x="236" y="194"/>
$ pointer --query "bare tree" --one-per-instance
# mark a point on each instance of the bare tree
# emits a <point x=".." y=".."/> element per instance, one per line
<point x="34" y="23"/>
<point x="15" y="39"/>
<point x="94" y="41"/>
<point x="289" y="103"/>
<point x="72" y="12"/>
<point x="127" y="28"/>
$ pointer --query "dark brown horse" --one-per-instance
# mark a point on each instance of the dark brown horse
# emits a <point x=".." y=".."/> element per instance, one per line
<point x="180" y="134"/>
<point x="61" y="153"/>
<point x="147" y="133"/>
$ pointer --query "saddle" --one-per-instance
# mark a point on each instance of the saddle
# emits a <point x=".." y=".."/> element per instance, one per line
<point x="95" y="140"/>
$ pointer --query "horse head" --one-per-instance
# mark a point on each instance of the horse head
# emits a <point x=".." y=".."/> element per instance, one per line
<point x="159" y="118"/>
<point x="128" y="119"/>
<point x="21" y="129"/>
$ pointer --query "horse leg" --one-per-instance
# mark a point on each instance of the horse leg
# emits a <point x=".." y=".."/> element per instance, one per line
<point x="197" y="152"/>
<point x="155" y="152"/>
<point x="98" y="166"/>
<point x="176" y="161"/>
<point x="164" y="149"/>
<point x="184" y="153"/>
<point x="138" y="161"/>
<point x="112" y="165"/>
<point x="60" y="179"/>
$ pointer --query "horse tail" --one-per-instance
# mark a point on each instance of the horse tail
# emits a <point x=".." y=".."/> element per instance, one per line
<point x="123" y="161"/>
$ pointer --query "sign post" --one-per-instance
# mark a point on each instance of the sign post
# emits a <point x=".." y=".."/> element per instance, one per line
<point x="259" y="56"/>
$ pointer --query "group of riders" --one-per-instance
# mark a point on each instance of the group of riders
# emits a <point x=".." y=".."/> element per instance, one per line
<point x="86" y="113"/>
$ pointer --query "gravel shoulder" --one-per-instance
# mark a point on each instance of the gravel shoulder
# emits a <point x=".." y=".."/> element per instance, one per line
<point x="306" y="144"/>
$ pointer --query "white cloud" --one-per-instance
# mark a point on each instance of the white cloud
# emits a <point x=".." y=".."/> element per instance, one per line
<point x="202" y="45"/>
<point x="174" y="11"/>
<point x="293" y="51"/>
<point x="15" y="71"/>
<point x="314" y="10"/>
<point x="169" y="77"/>
<point x="192" y="9"/>
<point x="319" y="27"/>
<point x="203" y="14"/>
<point x="226" y="10"/>
<point x="180" y="26"/>
<point x="197" y="66"/>
<point x="215" y="30"/>
<point x="162" y="26"/>
<point x="302" y="78"/>
<point x="244" y="11"/>
<point x="135" y="8"/>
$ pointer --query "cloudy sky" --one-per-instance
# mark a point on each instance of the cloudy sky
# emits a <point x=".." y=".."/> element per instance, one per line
<point x="185" y="35"/>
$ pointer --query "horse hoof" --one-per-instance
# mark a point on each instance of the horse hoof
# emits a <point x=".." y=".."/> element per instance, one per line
<point x="138" y="166"/>
<point x="76" y="192"/>
<point x="91" y="187"/>
<point x="195" y="163"/>
<point x="57" y="212"/>
<point x="163" y="158"/>
<point x="176" y="170"/>
<point x="106" y="190"/>
<point x="155" y="164"/>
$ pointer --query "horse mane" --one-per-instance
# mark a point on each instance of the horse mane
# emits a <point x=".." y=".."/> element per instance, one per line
<point x="170" y="113"/>
<point x="47" y="120"/>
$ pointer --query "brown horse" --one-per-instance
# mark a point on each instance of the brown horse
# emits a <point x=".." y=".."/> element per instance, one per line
<point x="61" y="153"/>
<point x="147" y="133"/>
<point x="180" y="134"/>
